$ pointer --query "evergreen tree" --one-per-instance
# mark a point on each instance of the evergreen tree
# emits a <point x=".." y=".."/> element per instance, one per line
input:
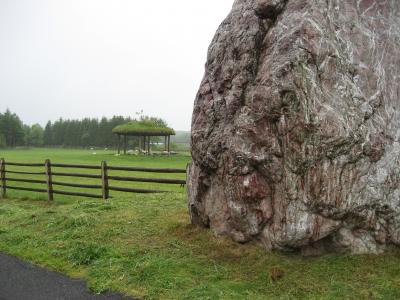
<point x="36" y="135"/>
<point x="3" y="143"/>
<point x="12" y="129"/>
<point x="48" y="135"/>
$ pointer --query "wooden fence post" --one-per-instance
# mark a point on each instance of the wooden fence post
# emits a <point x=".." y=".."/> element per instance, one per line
<point x="49" y="180"/>
<point x="104" y="180"/>
<point x="3" y="177"/>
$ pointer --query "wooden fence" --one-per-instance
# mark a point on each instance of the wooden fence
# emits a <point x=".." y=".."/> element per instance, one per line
<point x="105" y="186"/>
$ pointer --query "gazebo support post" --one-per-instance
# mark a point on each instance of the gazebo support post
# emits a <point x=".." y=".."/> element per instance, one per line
<point x="140" y="143"/>
<point x="119" y="144"/>
<point x="148" y="145"/>
<point x="125" y="138"/>
<point x="165" y="143"/>
<point x="169" y="144"/>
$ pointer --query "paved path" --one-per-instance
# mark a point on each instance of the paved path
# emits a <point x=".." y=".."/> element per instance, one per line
<point x="22" y="281"/>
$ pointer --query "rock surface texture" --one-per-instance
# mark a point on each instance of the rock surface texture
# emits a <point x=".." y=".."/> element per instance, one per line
<point x="296" y="126"/>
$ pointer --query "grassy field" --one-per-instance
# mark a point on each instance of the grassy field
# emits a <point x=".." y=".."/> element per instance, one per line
<point x="144" y="245"/>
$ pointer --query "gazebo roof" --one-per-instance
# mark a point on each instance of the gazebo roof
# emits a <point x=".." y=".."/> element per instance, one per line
<point x="143" y="128"/>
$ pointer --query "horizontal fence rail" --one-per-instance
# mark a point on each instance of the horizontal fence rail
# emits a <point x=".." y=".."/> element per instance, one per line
<point x="93" y="167"/>
<point x="104" y="187"/>
<point x="77" y="194"/>
<point x="25" y="189"/>
<point x="130" y="190"/>
<point x="77" y="185"/>
<point x="26" y="180"/>
<point x="26" y="173"/>
<point x="25" y="165"/>
<point x="149" y="180"/>
<point x="77" y="175"/>
<point x="147" y="170"/>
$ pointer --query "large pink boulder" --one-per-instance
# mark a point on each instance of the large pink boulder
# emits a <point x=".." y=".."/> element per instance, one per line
<point x="296" y="126"/>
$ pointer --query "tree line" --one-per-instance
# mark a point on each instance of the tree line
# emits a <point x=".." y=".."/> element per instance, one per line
<point x="87" y="132"/>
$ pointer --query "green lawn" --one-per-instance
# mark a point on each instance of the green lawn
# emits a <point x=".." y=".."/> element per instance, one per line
<point x="144" y="245"/>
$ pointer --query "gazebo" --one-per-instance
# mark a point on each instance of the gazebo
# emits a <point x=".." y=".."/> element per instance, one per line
<point x="143" y="130"/>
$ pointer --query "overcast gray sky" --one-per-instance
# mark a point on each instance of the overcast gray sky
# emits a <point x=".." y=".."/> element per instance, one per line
<point x="94" y="58"/>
